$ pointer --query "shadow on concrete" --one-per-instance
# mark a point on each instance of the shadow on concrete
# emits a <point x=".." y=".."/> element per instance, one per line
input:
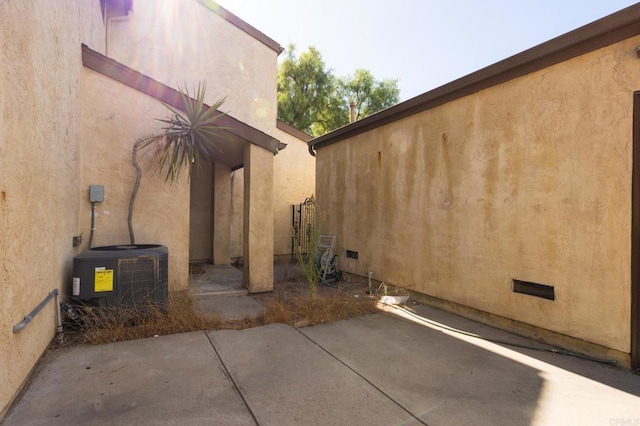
<point x="604" y="371"/>
<point x="363" y="371"/>
<point x="438" y="378"/>
<point x="444" y="375"/>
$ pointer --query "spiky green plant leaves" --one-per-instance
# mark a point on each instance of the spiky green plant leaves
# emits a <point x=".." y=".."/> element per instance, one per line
<point x="187" y="137"/>
<point x="186" y="140"/>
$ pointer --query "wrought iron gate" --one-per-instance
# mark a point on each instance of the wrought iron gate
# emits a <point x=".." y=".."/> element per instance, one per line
<point x="303" y="222"/>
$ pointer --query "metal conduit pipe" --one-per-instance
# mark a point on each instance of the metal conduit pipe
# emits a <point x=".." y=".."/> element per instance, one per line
<point x="58" y="315"/>
<point x="93" y="222"/>
<point x="18" y="327"/>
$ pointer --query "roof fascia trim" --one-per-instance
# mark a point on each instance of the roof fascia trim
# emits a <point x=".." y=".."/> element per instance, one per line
<point x="288" y="128"/>
<point x="241" y="24"/>
<point x="598" y="34"/>
<point x="165" y="94"/>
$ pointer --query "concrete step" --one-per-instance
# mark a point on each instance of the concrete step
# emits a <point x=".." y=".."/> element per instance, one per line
<point x="230" y="308"/>
<point x="215" y="290"/>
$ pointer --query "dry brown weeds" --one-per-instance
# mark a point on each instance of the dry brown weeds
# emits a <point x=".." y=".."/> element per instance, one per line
<point x="106" y="325"/>
<point x="290" y="303"/>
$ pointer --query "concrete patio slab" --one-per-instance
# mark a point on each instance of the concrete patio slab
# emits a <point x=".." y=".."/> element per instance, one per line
<point x="374" y="370"/>
<point x="287" y="379"/>
<point x="168" y="380"/>
<point x="443" y="376"/>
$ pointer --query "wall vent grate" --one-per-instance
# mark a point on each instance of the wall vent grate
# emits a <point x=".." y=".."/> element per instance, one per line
<point x="534" y="289"/>
<point x="351" y="254"/>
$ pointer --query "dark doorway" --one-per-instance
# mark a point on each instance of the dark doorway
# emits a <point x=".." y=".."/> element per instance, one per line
<point x="200" y="215"/>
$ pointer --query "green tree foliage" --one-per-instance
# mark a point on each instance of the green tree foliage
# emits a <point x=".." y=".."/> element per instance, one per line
<point x="304" y="88"/>
<point x="313" y="100"/>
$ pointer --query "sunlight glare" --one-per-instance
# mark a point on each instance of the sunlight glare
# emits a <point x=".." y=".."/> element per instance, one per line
<point x="558" y="384"/>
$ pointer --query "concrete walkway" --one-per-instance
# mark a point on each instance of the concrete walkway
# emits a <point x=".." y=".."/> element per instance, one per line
<point x="375" y="370"/>
<point x="219" y="289"/>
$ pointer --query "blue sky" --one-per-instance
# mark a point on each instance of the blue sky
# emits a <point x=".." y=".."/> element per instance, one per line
<point x="422" y="43"/>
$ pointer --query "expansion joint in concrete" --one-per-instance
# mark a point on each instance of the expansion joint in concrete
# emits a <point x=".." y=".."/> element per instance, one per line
<point x="233" y="381"/>
<point x="362" y="377"/>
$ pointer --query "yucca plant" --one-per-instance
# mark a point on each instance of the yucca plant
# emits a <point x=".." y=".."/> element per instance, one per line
<point x="186" y="140"/>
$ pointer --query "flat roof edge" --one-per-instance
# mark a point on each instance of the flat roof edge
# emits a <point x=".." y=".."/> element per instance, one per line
<point x="598" y="34"/>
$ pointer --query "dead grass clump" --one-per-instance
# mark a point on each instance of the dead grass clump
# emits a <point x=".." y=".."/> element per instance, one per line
<point x="306" y="310"/>
<point x="276" y="311"/>
<point x="111" y="324"/>
<point x="290" y="302"/>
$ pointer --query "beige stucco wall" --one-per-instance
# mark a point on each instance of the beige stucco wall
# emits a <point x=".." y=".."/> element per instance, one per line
<point x="210" y="224"/>
<point x="294" y="178"/>
<point x="530" y="180"/>
<point x="63" y="128"/>
<point x="184" y="42"/>
<point x="110" y="128"/>
<point x="234" y="65"/>
<point x="222" y="214"/>
<point x="258" y="219"/>
<point x="40" y="65"/>
<point x="293" y="181"/>
<point x="201" y="207"/>
<point x="237" y="218"/>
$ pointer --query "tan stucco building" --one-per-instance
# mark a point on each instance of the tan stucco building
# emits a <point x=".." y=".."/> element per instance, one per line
<point x="510" y="195"/>
<point x="83" y="80"/>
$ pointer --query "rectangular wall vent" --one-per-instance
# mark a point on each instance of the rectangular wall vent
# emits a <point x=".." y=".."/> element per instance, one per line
<point x="533" y="289"/>
<point x="352" y="254"/>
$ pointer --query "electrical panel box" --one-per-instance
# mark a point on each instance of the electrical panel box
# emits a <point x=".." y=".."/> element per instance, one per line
<point x="96" y="193"/>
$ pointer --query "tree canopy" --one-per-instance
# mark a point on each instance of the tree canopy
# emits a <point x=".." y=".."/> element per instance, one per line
<point x="312" y="99"/>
